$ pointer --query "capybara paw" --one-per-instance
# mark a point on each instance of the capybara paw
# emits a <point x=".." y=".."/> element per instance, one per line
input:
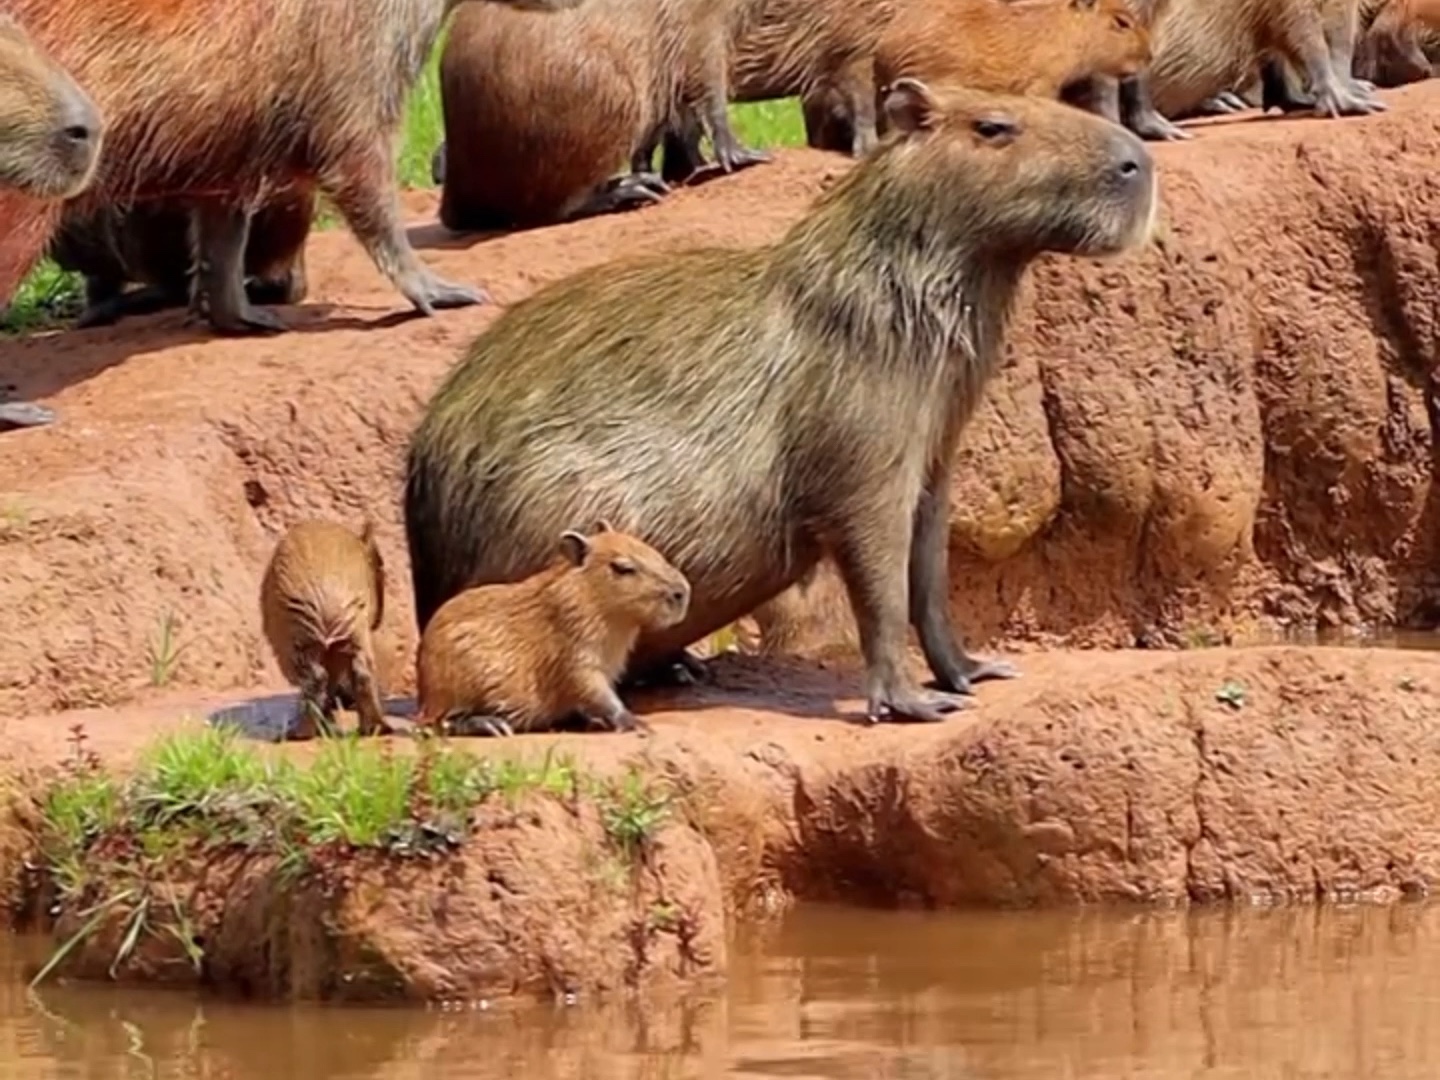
<point x="24" y="414"/>
<point x="1157" y="129"/>
<point x="429" y="293"/>
<point x="983" y="670"/>
<point x="1220" y="105"/>
<point x="913" y="707"/>
<point x="246" y="320"/>
<point x="623" y="721"/>
<point x="628" y="192"/>
<point x="741" y="157"/>
<point x="1365" y="86"/>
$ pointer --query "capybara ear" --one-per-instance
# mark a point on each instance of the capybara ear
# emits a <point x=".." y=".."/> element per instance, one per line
<point x="910" y="107"/>
<point x="602" y="526"/>
<point x="575" y="545"/>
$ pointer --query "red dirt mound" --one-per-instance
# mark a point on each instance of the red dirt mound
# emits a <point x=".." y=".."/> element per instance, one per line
<point x="1229" y="430"/>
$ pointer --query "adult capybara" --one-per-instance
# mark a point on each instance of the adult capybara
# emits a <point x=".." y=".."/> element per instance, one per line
<point x="50" y="130"/>
<point x="750" y="412"/>
<point x="1047" y="48"/>
<point x="152" y="245"/>
<point x="226" y="104"/>
<point x="1206" y="47"/>
<point x="552" y="132"/>
<point x="321" y="601"/>
<point x="531" y="654"/>
<point x="1391" y="48"/>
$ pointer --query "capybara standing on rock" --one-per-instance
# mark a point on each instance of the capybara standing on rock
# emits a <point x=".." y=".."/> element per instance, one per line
<point x="50" y="130"/>
<point x="550" y="130"/>
<point x="749" y="412"/>
<point x="1206" y="47"/>
<point x="150" y="244"/>
<point x="227" y="104"/>
<point x="321" y="601"/>
<point x="531" y="654"/>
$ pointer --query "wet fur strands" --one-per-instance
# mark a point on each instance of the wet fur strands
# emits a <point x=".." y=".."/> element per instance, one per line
<point x="534" y="654"/>
<point x="750" y="412"/>
<point x="321" y="600"/>
<point x="227" y="104"/>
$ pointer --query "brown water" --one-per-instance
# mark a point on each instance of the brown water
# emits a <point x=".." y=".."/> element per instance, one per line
<point x="843" y="995"/>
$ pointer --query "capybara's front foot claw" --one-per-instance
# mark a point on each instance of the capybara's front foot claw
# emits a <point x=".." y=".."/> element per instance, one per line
<point x="1222" y="104"/>
<point x="913" y="707"/>
<point x="628" y="192"/>
<point x="621" y="721"/>
<point x="1156" y="128"/>
<point x="246" y="319"/>
<point x="737" y="157"/>
<point x="24" y="414"/>
<point x="430" y="294"/>
<point x="492" y="727"/>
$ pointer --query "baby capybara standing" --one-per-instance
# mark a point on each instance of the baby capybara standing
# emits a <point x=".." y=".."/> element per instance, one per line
<point x="751" y="411"/>
<point x="552" y="131"/>
<point x="50" y="130"/>
<point x="528" y="655"/>
<point x="150" y="245"/>
<point x="228" y="104"/>
<point x="321" y="600"/>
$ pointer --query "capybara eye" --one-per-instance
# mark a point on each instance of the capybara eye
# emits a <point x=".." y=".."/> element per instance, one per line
<point x="992" y="127"/>
<point x="1123" y="22"/>
<point x="623" y="566"/>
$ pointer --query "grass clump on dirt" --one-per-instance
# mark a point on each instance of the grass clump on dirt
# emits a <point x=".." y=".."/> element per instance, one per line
<point x="50" y="297"/>
<point x="106" y="842"/>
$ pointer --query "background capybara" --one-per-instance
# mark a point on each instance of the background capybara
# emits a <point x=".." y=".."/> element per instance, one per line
<point x="554" y="131"/>
<point x="1044" y="48"/>
<point x="321" y="600"/>
<point x="529" y="655"/>
<point x="1391" y="48"/>
<point x="50" y="130"/>
<point x="1206" y="47"/>
<point x="750" y="412"/>
<point x="151" y="245"/>
<point x="230" y="103"/>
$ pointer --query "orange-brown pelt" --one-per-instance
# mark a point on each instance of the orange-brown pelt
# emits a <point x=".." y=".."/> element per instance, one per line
<point x="50" y="130"/>
<point x="533" y="654"/>
<point x="561" y="126"/>
<point x="321" y="601"/>
<point x="1045" y="48"/>
<point x="226" y="104"/>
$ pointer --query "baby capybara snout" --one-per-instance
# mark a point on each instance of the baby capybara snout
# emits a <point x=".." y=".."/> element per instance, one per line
<point x="50" y="129"/>
<point x="1078" y="183"/>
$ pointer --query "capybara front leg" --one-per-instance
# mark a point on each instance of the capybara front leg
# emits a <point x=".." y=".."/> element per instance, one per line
<point x="953" y="668"/>
<point x="362" y="187"/>
<point x="222" y="232"/>
<point x="1137" y="109"/>
<point x="871" y="557"/>
<point x="1335" y="96"/>
<point x="601" y="706"/>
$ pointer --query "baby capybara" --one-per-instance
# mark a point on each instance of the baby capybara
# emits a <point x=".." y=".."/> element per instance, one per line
<point x="321" y="601"/>
<point x="227" y="104"/>
<point x="151" y="245"/>
<point x="530" y="655"/>
<point x="554" y="131"/>
<point x="50" y="130"/>
<point x="751" y="411"/>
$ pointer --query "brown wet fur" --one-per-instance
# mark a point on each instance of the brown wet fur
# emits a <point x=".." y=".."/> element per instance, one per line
<point x="534" y="138"/>
<point x="1204" y="47"/>
<point x="322" y="598"/>
<point x="50" y="130"/>
<point x="535" y="653"/>
<point x="749" y="412"/>
<point x="1037" y="47"/>
<point x="150" y="245"/>
<point x="227" y="104"/>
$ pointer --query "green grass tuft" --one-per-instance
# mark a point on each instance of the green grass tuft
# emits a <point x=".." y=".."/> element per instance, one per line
<point x="49" y="297"/>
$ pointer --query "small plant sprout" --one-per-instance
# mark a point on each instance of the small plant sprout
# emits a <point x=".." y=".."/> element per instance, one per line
<point x="1231" y="693"/>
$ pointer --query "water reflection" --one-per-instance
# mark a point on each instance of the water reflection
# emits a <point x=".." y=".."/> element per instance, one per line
<point x="836" y="994"/>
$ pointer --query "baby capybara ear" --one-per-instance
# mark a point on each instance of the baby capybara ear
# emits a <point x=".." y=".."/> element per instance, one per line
<point x="575" y="545"/>
<point x="910" y="106"/>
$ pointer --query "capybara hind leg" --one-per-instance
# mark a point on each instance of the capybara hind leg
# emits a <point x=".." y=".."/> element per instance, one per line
<point x="1137" y="109"/>
<point x="628" y="192"/>
<point x="872" y="563"/>
<point x="953" y="668"/>
<point x="362" y="187"/>
<point x="366" y="694"/>
<point x="223" y="231"/>
<point x="314" y="713"/>
<point x="146" y="300"/>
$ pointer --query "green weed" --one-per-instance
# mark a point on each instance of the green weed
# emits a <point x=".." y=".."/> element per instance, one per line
<point x="633" y="809"/>
<point x="163" y="651"/>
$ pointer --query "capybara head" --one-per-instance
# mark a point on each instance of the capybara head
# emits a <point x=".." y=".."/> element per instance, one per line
<point x="1121" y="42"/>
<point x="627" y="577"/>
<point x="50" y="130"/>
<point x="1000" y="175"/>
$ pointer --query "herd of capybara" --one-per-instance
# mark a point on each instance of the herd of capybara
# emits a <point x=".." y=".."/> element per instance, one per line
<point x="586" y="497"/>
